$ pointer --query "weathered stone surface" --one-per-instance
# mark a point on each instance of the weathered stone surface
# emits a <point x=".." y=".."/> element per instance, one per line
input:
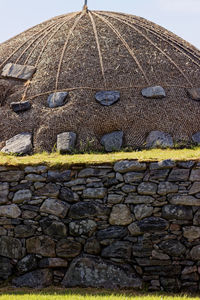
<point x="53" y="263"/>
<point x="125" y="166"/>
<point x="55" y="176"/>
<point x="143" y="262"/>
<point x="189" y="270"/>
<point x="173" y="212"/>
<point x="153" y="224"/>
<point x="142" y="249"/>
<point x="94" y="193"/>
<point x="24" y="231"/>
<point x="137" y="199"/>
<point x="159" y="175"/>
<point x="78" y="181"/>
<point x="83" y="227"/>
<point x="53" y="228"/>
<point x="128" y="188"/>
<point x="112" y="232"/>
<point x="36" y="169"/>
<point x="66" y="142"/>
<point x="119" y="249"/>
<point x="185" y="200"/>
<point x="165" y="188"/>
<point x="10" y="211"/>
<point x="164" y="164"/>
<point x="196" y="138"/>
<point x="66" y="194"/>
<point x="131" y="177"/>
<point x="195" y="253"/>
<point x="57" y="99"/>
<point x="26" y="264"/>
<point x="42" y="245"/>
<point x="179" y="175"/>
<point x="22" y="196"/>
<point x="92" y="246"/>
<point x="172" y="247"/>
<point x="112" y="141"/>
<point x="49" y="190"/>
<point x="196" y="220"/>
<point x="95" y="272"/>
<point x="90" y="172"/>
<point x="19" y="144"/>
<point x="67" y="248"/>
<point x="55" y="207"/>
<point x="36" y="279"/>
<point x="142" y="211"/>
<point x="191" y="233"/>
<point x="159" y="139"/>
<point x="18" y="71"/>
<point x="115" y="198"/>
<point x="6" y="268"/>
<point x="4" y="190"/>
<point x="170" y="284"/>
<point x="195" y="188"/>
<point x="194" y="93"/>
<point x="134" y="229"/>
<point x="82" y="210"/>
<point x="195" y="175"/>
<point x="107" y="98"/>
<point x="120" y="215"/>
<point x="163" y="270"/>
<point x="159" y="255"/>
<point x="147" y="188"/>
<point x="11" y="176"/>
<point x="10" y="247"/>
<point x="154" y="92"/>
<point x="20" y="106"/>
<point x="35" y="178"/>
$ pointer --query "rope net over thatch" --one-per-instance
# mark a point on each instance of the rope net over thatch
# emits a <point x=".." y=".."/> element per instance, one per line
<point x="89" y="51"/>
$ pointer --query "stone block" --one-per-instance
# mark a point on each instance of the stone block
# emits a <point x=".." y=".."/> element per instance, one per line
<point x="112" y="141"/>
<point x="120" y="215"/>
<point x="154" y="92"/>
<point x="18" y="71"/>
<point x="107" y="98"/>
<point x="55" y="207"/>
<point x="57" y="99"/>
<point x="66" y="142"/>
<point x="125" y="166"/>
<point x="19" y="144"/>
<point x="20" y="106"/>
<point x="159" y="139"/>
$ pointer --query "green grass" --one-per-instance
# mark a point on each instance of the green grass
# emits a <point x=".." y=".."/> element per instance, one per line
<point x="57" y="160"/>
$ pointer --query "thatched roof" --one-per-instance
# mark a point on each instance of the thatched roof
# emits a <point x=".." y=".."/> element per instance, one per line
<point x="89" y="51"/>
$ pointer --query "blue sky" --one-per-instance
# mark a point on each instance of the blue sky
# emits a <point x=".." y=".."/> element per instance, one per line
<point x="180" y="16"/>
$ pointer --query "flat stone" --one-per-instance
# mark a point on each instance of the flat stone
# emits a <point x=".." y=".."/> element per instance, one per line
<point x="107" y="98"/>
<point x="118" y="249"/>
<point x="11" y="176"/>
<point x="189" y="270"/>
<point x="143" y="262"/>
<point x="57" y="99"/>
<point x="92" y="247"/>
<point x="20" y="106"/>
<point x="35" y="279"/>
<point x="112" y="141"/>
<point x="92" y="172"/>
<point x="159" y="175"/>
<point x="173" y="212"/>
<point x="18" y="71"/>
<point x="159" y="139"/>
<point x="172" y="247"/>
<point x="66" y="142"/>
<point x="185" y="200"/>
<point x="83" y="227"/>
<point x="153" y="224"/>
<point x="164" y="164"/>
<point x="10" y="211"/>
<point x="19" y="144"/>
<point x="147" y="188"/>
<point x="195" y="175"/>
<point x="171" y="270"/>
<point x="134" y="229"/>
<point x="35" y="178"/>
<point x="159" y="255"/>
<point x="10" y="247"/>
<point x="55" y="207"/>
<point x="67" y="194"/>
<point x="56" y="176"/>
<point x="194" y="93"/>
<point x="53" y="228"/>
<point x="66" y="248"/>
<point x="128" y="188"/>
<point x="78" y="181"/>
<point x="137" y="199"/>
<point x="82" y="210"/>
<point x="125" y="166"/>
<point x="94" y="193"/>
<point x="26" y="264"/>
<point x="132" y="177"/>
<point x="186" y="164"/>
<point x="49" y="190"/>
<point x="120" y="215"/>
<point x="154" y="92"/>
<point x="4" y="191"/>
<point x="22" y="196"/>
<point x="165" y="188"/>
<point x="191" y="233"/>
<point x="142" y="249"/>
<point x="195" y="188"/>
<point x="112" y="232"/>
<point x="6" y="268"/>
<point x="115" y="198"/>
<point x="37" y="169"/>
<point x="53" y="263"/>
<point x="98" y="273"/>
<point x="179" y="175"/>
<point x="195" y="253"/>
<point x="24" y="231"/>
<point x="142" y="211"/>
<point x="42" y="245"/>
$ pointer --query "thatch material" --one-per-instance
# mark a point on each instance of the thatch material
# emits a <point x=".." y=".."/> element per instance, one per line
<point x="86" y="52"/>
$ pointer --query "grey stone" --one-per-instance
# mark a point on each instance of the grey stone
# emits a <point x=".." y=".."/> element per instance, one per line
<point x="53" y="263"/>
<point x="137" y="199"/>
<point x="21" y="186"/>
<point x="66" y="194"/>
<point x="115" y="198"/>
<point x="196" y="137"/>
<point x="142" y="249"/>
<point x="134" y="229"/>
<point x="19" y="144"/>
<point x="194" y="93"/>
<point x="172" y="248"/>
<point x="142" y="211"/>
<point x="82" y="210"/>
<point x="165" y="188"/>
<point x="37" y="169"/>
<point x="196" y="220"/>
<point x="171" y="270"/>
<point x="147" y="188"/>
<point x="94" y="193"/>
<point x="4" y="190"/>
<point x="112" y="141"/>
<point x="55" y="207"/>
<point x="66" y="248"/>
<point x="49" y="190"/>
<point x="159" y="139"/>
<point x="92" y="172"/>
<point x="159" y="175"/>
<point x="191" y="233"/>
<point x="186" y="164"/>
<point x="127" y="188"/>
<point x="125" y="166"/>
<point x="119" y="249"/>
<point x="153" y="224"/>
<point x="98" y="273"/>
<point x="195" y="175"/>
<point x="24" y="231"/>
<point x="164" y="164"/>
<point x="57" y="99"/>
<point x="159" y="255"/>
<point x="6" y="268"/>
<point x="195" y="253"/>
<point x="35" y="178"/>
<point x="131" y="177"/>
<point x="26" y="264"/>
<point x="53" y="228"/>
<point x="56" y="176"/>
<point x="195" y="188"/>
<point x="20" y="106"/>
<point x="154" y="92"/>
<point x="10" y="211"/>
<point x="35" y="279"/>
<point x="22" y="196"/>
<point x="83" y="227"/>
<point x="120" y="215"/>
<point x="185" y="200"/>
<point x="112" y="232"/>
<point x="42" y="245"/>
<point x="10" y="247"/>
<point x="173" y="212"/>
<point x="143" y="262"/>
<point x="92" y="246"/>
<point x="18" y="71"/>
<point x="107" y="98"/>
<point x="179" y="175"/>
<point x="66" y="142"/>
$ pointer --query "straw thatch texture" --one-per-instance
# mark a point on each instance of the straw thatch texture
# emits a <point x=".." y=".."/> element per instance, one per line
<point x="86" y="52"/>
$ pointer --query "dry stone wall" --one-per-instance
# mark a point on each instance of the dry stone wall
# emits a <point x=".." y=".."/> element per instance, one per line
<point x="127" y="225"/>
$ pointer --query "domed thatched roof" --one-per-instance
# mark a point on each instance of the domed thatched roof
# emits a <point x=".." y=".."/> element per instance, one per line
<point x="90" y="51"/>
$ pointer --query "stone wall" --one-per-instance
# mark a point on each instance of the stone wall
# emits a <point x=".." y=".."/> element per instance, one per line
<point x="128" y="225"/>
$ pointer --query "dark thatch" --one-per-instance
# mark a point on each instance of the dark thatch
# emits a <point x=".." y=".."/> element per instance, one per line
<point x="89" y="51"/>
